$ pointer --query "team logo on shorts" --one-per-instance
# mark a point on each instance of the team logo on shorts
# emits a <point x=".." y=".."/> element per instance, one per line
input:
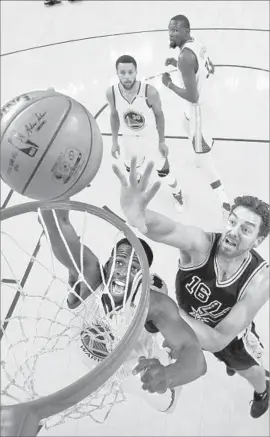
<point x="134" y="120"/>
<point x="95" y="341"/>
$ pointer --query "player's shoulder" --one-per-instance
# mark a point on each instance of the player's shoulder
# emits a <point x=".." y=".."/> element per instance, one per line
<point x="151" y="90"/>
<point x="257" y="285"/>
<point x="110" y="96"/>
<point x="152" y="94"/>
<point x="110" y="91"/>
<point x="261" y="278"/>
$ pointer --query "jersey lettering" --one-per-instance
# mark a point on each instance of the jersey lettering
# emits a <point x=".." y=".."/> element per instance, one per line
<point x="198" y="289"/>
<point x="209" y="313"/>
<point x="134" y="120"/>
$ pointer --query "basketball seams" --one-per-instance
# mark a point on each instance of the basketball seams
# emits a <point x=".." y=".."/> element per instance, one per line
<point x="89" y="155"/>
<point x="48" y="146"/>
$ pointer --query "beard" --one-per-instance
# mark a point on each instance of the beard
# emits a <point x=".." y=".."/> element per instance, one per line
<point x="130" y="86"/>
<point x="173" y="45"/>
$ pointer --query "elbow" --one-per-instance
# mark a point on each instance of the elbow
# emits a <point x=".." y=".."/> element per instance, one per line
<point x="194" y="98"/>
<point x="199" y="362"/>
<point x="202" y="365"/>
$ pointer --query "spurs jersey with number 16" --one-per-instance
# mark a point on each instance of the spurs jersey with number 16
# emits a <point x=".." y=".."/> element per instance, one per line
<point x="136" y="117"/>
<point x="203" y="296"/>
<point x="205" y="67"/>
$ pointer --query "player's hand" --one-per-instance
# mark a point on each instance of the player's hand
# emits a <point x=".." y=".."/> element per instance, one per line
<point x="163" y="148"/>
<point x="166" y="79"/>
<point x="153" y="375"/>
<point x="115" y="150"/>
<point x="135" y="195"/>
<point x="171" y="61"/>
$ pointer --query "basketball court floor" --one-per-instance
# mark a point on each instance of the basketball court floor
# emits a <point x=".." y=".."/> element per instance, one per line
<point x="73" y="48"/>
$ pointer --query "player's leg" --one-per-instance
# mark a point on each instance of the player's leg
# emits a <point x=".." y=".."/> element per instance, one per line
<point x="133" y="146"/>
<point x="244" y="355"/>
<point x="164" y="173"/>
<point x="202" y="142"/>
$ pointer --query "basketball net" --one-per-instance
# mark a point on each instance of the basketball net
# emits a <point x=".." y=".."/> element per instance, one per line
<point x="45" y="345"/>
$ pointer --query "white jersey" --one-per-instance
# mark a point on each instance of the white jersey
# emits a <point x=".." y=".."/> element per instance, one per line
<point x="204" y="67"/>
<point x="136" y="117"/>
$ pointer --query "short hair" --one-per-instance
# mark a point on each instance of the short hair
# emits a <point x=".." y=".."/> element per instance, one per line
<point x="258" y="207"/>
<point x="183" y="20"/>
<point x="125" y="59"/>
<point x="147" y="248"/>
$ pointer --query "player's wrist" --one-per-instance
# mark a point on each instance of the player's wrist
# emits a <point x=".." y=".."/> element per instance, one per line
<point x="170" y="84"/>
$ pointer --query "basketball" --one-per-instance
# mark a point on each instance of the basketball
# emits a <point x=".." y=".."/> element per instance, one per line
<point x="51" y="146"/>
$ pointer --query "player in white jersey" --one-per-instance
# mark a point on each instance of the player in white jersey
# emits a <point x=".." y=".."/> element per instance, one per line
<point x="118" y="281"/>
<point x="196" y="69"/>
<point x="137" y="112"/>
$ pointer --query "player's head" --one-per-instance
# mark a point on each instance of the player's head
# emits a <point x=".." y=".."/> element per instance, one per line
<point x="126" y="69"/>
<point x="121" y="262"/>
<point x="179" y="31"/>
<point x="248" y="225"/>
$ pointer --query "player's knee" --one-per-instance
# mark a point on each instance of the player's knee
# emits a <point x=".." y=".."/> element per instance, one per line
<point x="165" y="170"/>
<point x="203" y="146"/>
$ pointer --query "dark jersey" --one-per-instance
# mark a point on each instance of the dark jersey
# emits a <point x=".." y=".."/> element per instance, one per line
<point x="201" y="295"/>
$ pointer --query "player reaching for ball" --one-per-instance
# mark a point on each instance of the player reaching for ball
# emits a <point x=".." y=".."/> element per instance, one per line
<point x="188" y="362"/>
<point x="136" y="110"/>
<point x="222" y="282"/>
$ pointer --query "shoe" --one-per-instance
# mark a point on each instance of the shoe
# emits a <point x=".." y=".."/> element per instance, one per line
<point x="52" y="2"/>
<point x="230" y="371"/>
<point x="179" y="204"/>
<point x="175" y="394"/>
<point x="260" y="404"/>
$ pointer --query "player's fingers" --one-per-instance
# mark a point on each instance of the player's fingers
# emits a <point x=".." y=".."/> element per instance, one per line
<point x="133" y="172"/>
<point x="120" y="175"/>
<point x="152" y="191"/>
<point x="146" y="175"/>
<point x="143" y="364"/>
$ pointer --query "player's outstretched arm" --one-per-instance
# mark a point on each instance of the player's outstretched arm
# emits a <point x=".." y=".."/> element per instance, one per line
<point x="62" y="235"/>
<point x="189" y="363"/>
<point x="135" y="197"/>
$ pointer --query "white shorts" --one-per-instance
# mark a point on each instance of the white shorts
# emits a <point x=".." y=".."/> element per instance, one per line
<point x="200" y="119"/>
<point x="144" y="148"/>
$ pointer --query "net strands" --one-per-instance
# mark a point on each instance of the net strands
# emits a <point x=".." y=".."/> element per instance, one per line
<point x="32" y="335"/>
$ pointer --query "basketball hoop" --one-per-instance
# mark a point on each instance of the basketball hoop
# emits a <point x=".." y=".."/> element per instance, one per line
<point x="41" y="330"/>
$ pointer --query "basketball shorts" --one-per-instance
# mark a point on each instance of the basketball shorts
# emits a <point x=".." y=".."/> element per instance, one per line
<point x="199" y="120"/>
<point x="243" y="353"/>
<point x="144" y="148"/>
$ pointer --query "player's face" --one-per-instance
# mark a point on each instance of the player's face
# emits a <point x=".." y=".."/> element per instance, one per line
<point x="127" y="75"/>
<point x="177" y="34"/>
<point x="122" y="277"/>
<point x="242" y="232"/>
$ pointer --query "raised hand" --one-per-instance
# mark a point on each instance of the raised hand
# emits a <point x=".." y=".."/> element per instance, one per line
<point x="135" y="195"/>
<point x="171" y="61"/>
<point x="153" y="375"/>
<point x="115" y="151"/>
<point x="166" y="79"/>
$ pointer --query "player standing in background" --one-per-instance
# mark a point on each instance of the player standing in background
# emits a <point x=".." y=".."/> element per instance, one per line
<point x="195" y="69"/>
<point x="136" y="110"/>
